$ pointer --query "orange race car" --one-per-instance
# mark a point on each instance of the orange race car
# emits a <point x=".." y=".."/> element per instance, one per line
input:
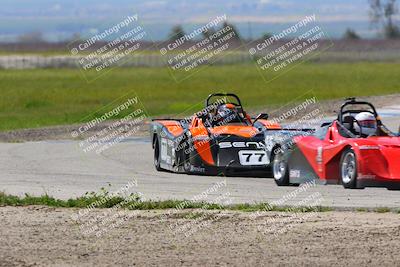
<point x="221" y="138"/>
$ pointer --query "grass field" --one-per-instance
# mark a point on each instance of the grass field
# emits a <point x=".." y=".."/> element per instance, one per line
<point x="134" y="202"/>
<point x="43" y="97"/>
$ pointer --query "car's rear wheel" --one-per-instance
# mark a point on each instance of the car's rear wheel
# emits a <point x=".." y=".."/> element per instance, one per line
<point x="348" y="169"/>
<point x="280" y="169"/>
<point x="394" y="188"/>
<point x="157" y="155"/>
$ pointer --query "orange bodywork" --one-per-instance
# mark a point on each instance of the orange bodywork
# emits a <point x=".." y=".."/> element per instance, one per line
<point x="201" y="140"/>
<point x="239" y="130"/>
<point x="201" y="135"/>
<point x="173" y="127"/>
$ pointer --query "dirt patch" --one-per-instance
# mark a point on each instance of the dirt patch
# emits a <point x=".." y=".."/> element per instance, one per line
<point x="42" y="236"/>
<point x="329" y="107"/>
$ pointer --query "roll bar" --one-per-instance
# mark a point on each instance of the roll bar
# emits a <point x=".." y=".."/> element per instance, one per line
<point x="352" y="101"/>
<point x="222" y="94"/>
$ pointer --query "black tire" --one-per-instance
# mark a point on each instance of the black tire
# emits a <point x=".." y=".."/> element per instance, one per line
<point x="157" y="155"/>
<point x="393" y="188"/>
<point x="280" y="168"/>
<point x="186" y="163"/>
<point x="348" y="169"/>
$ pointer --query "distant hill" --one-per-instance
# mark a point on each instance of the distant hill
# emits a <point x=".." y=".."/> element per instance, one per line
<point x="58" y="20"/>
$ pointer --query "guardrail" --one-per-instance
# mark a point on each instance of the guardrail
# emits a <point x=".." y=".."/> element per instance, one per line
<point x="155" y="60"/>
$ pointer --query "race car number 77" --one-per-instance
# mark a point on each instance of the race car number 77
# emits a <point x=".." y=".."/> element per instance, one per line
<point x="253" y="157"/>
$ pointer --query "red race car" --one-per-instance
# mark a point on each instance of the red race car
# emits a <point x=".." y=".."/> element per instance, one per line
<point x="356" y="150"/>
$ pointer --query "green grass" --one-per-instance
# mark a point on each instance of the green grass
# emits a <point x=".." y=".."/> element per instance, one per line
<point x="35" y="98"/>
<point x="35" y="53"/>
<point x="362" y="209"/>
<point x="135" y="203"/>
<point x="382" y="210"/>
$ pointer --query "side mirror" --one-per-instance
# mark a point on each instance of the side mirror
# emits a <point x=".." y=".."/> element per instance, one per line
<point x="260" y="117"/>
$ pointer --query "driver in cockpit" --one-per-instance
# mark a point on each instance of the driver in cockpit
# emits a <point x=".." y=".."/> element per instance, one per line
<point x="367" y="125"/>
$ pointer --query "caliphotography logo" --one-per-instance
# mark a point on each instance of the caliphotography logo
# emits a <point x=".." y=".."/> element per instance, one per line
<point x="109" y="48"/>
<point x="280" y="52"/>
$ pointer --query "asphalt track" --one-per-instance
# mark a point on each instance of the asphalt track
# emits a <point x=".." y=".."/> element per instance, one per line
<point x="63" y="170"/>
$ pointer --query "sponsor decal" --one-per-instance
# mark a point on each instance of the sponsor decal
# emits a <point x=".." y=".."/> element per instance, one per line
<point x="258" y="145"/>
<point x="165" y="147"/>
<point x="294" y="174"/>
<point x="197" y="169"/>
<point x="366" y="176"/>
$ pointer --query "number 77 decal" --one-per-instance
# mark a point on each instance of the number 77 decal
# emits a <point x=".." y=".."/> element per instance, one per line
<point x="253" y="157"/>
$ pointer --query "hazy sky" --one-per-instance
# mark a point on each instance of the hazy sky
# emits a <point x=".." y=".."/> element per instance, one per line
<point x="61" y="18"/>
<point x="186" y="11"/>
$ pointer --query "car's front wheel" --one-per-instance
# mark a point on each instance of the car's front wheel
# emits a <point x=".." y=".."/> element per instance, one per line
<point x="157" y="156"/>
<point x="348" y="169"/>
<point x="280" y="169"/>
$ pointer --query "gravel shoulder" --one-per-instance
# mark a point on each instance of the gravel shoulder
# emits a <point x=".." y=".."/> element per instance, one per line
<point x="329" y="107"/>
<point x="43" y="236"/>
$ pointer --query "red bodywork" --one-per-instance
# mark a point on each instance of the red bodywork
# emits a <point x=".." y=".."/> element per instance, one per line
<point x="378" y="158"/>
